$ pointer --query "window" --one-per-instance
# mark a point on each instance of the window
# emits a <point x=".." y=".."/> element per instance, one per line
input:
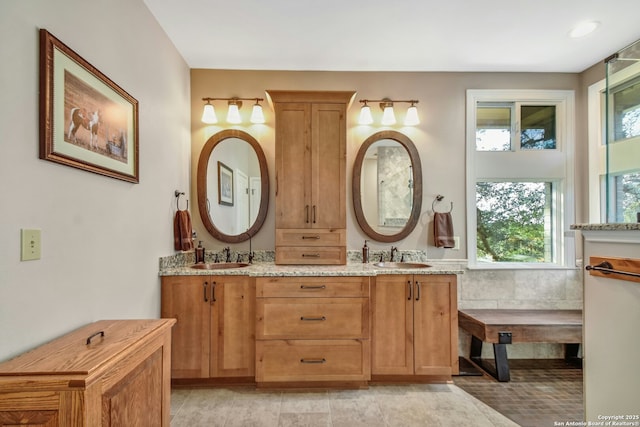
<point x="519" y="178"/>
<point x="614" y="170"/>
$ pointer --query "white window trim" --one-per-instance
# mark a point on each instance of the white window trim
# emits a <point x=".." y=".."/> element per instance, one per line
<point x="565" y="99"/>
<point x="597" y="142"/>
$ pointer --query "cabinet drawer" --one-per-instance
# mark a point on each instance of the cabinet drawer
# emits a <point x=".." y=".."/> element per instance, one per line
<point x="311" y="237"/>
<point x="313" y="287"/>
<point x="309" y="360"/>
<point x="312" y="318"/>
<point x="310" y="255"/>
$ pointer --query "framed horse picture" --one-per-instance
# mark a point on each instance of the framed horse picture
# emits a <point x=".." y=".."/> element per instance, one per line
<point x="86" y="120"/>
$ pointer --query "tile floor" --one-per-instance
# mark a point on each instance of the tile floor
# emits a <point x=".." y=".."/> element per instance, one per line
<point x="540" y="393"/>
<point x="437" y="405"/>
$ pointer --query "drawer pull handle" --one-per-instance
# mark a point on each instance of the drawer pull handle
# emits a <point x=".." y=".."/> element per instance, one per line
<point x="310" y="255"/>
<point x="410" y="290"/>
<point x="310" y="237"/>
<point x="316" y="361"/>
<point x="312" y="287"/>
<point x="313" y="319"/>
<point x="101" y="333"/>
<point x="418" y="289"/>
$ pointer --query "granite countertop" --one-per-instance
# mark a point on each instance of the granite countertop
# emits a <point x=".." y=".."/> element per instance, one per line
<point x="269" y="269"/>
<point x="607" y="227"/>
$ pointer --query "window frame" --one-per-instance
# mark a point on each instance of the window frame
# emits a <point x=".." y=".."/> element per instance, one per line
<point x="625" y="152"/>
<point x="554" y="165"/>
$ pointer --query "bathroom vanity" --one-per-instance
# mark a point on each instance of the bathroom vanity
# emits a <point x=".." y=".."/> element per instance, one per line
<point x="311" y="326"/>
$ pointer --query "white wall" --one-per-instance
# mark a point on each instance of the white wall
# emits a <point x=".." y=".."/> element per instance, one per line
<point x="101" y="237"/>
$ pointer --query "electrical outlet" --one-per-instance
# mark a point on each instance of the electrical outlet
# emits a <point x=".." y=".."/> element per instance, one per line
<point x="456" y="243"/>
<point x="29" y="244"/>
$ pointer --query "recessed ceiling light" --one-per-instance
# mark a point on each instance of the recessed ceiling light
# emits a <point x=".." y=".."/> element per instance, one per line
<point x="583" y="29"/>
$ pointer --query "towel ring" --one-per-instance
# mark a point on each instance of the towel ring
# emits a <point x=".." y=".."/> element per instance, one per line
<point x="178" y="194"/>
<point x="439" y="199"/>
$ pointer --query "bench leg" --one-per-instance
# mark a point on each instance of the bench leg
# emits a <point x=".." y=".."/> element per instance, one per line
<point x="476" y="348"/>
<point x="502" y="362"/>
<point x="501" y="371"/>
<point x="571" y="354"/>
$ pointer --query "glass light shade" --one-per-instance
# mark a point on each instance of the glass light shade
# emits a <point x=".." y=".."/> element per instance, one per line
<point x="388" y="117"/>
<point x="209" y="115"/>
<point x="256" y="114"/>
<point x="365" y="115"/>
<point x="233" y="115"/>
<point x="411" y="119"/>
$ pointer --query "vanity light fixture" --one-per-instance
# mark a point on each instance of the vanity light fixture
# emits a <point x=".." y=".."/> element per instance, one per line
<point x="388" y="114"/>
<point x="365" y="114"/>
<point x="209" y="114"/>
<point x="256" y="113"/>
<point x="411" y="119"/>
<point x="233" y="113"/>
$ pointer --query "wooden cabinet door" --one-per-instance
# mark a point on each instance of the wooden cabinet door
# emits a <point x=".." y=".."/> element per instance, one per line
<point x="187" y="299"/>
<point x="137" y="399"/>
<point x="435" y="325"/>
<point x="293" y="165"/>
<point x="233" y="326"/>
<point x="392" y="337"/>
<point x="328" y="206"/>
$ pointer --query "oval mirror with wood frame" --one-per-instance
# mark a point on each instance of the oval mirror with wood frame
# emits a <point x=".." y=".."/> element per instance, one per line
<point x="233" y="186"/>
<point x="387" y="186"/>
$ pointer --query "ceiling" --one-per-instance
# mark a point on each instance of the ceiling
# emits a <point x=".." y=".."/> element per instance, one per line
<point x="397" y="35"/>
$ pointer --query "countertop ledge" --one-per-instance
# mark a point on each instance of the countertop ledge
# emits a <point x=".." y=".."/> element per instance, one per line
<point x="269" y="269"/>
<point x="622" y="226"/>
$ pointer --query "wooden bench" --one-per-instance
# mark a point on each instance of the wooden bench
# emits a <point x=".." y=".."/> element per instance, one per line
<point x="501" y="327"/>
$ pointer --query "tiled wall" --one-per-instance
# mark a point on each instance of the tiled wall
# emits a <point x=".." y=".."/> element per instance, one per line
<point x="520" y="289"/>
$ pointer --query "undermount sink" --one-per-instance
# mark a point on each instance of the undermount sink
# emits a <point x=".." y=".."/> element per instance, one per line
<point x="401" y="265"/>
<point x="219" y="265"/>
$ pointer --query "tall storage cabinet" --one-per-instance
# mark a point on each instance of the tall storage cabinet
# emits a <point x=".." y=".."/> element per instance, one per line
<point x="310" y="176"/>
<point x="415" y="325"/>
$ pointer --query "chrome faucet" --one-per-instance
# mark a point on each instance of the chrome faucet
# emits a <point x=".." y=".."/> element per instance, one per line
<point x="393" y="251"/>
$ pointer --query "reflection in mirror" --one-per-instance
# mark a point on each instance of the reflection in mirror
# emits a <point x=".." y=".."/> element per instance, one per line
<point x="233" y="186"/>
<point x="387" y="186"/>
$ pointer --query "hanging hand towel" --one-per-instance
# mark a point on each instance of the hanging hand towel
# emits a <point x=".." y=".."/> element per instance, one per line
<point x="182" y="231"/>
<point x="443" y="230"/>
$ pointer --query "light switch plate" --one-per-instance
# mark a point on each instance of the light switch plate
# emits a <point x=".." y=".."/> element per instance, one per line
<point x="30" y="244"/>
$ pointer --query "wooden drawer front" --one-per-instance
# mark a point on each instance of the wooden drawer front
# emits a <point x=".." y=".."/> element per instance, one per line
<point x="312" y="318"/>
<point x="308" y="360"/>
<point x="312" y="287"/>
<point x="311" y="237"/>
<point x="309" y="255"/>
